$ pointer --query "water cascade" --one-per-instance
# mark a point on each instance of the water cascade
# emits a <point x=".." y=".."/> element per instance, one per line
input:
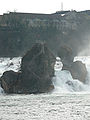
<point x="64" y="82"/>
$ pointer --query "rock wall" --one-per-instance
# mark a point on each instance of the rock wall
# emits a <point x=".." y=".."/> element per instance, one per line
<point x="18" y="32"/>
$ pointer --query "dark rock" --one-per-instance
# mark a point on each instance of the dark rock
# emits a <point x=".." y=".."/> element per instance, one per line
<point x="69" y="83"/>
<point x="66" y="55"/>
<point x="9" y="80"/>
<point x="78" y="71"/>
<point x="11" y="64"/>
<point x="17" y="37"/>
<point x="37" y="69"/>
<point x="0" y="81"/>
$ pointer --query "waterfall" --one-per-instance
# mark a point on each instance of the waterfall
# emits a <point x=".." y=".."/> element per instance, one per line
<point x="63" y="81"/>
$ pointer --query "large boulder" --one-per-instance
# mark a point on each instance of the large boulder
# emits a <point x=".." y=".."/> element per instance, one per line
<point x="66" y="55"/>
<point x="37" y="70"/>
<point x="78" y="71"/>
<point x="9" y="80"/>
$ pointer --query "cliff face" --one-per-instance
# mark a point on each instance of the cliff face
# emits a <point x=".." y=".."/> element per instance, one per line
<point x="18" y="31"/>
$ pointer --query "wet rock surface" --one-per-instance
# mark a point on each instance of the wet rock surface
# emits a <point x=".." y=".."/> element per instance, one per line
<point x="78" y="70"/>
<point x="9" y="81"/>
<point x="66" y="55"/>
<point x="37" y="70"/>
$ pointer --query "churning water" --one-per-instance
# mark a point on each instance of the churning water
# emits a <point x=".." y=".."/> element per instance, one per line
<point x="64" y="82"/>
<point x="66" y="102"/>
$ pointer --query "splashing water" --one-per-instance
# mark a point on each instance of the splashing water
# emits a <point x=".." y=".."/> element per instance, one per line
<point x="63" y="81"/>
<point x="7" y="64"/>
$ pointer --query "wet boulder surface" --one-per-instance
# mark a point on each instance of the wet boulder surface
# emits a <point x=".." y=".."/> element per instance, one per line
<point x="37" y="70"/>
<point x="78" y="70"/>
<point x="66" y="54"/>
<point x="9" y="80"/>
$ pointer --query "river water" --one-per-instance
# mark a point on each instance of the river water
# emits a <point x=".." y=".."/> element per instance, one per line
<point x="63" y="103"/>
<point x="45" y="107"/>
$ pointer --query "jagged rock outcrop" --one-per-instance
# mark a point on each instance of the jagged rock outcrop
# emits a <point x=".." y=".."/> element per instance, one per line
<point x="37" y="70"/>
<point x="66" y="55"/>
<point x="9" y="81"/>
<point x="78" y="70"/>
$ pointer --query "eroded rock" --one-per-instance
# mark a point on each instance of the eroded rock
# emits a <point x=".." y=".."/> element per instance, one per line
<point x="66" y="55"/>
<point x="9" y="81"/>
<point x="78" y="71"/>
<point x="37" y="70"/>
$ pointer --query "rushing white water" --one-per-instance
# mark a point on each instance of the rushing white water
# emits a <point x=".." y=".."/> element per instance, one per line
<point x="45" y="107"/>
<point x="7" y="64"/>
<point x="64" y="82"/>
<point x="51" y="106"/>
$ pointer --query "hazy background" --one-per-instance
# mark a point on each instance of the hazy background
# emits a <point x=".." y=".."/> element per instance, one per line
<point x="42" y="6"/>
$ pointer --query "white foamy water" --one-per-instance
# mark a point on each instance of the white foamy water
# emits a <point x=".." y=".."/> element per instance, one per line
<point x="64" y="82"/>
<point x="69" y="101"/>
<point x="45" y="107"/>
<point x="7" y="64"/>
